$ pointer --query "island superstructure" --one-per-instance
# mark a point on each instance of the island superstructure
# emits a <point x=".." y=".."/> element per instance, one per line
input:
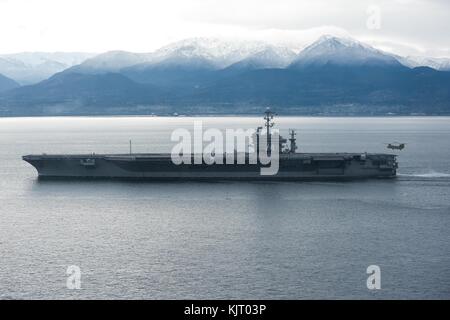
<point x="293" y="165"/>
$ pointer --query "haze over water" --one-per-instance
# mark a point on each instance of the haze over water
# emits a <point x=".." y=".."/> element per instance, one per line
<point x="237" y="240"/>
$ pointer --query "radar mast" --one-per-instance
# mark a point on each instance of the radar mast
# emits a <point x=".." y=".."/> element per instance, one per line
<point x="268" y="117"/>
<point x="292" y="141"/>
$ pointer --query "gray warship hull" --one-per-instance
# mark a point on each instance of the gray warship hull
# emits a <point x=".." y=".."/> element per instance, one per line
<point x="158" y="167"/>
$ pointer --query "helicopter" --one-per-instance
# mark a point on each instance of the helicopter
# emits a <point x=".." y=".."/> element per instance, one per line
<point x="396" y="146"/>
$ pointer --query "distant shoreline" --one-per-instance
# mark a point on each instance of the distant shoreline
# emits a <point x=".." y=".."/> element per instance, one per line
<point x="225" y="116"/>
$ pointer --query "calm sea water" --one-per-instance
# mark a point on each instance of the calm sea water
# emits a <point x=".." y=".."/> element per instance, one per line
<point x="225" y="240"/>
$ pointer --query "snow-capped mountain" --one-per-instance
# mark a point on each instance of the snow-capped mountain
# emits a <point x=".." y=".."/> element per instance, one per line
<point x="39" y="58"/>
<point x="183" y="52"/>
<point x="111" y="61"/>
<point x="329" y="50"/>
<point x="441" y="64"/>
<point x="270" y="57"/>
<point x="204" y="73"/>
<point x="191" y="61"/>
<point x="220" y="53"/>
<point x="32" y="67"/>
<point x="212" y="54"/>
<point x="206" y="53"/>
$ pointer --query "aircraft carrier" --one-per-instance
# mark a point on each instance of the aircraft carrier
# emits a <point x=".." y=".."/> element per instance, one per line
<point x="293" y="166"/>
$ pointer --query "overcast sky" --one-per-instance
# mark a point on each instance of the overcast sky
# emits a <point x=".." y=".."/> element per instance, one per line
<point x="413" y="27"/>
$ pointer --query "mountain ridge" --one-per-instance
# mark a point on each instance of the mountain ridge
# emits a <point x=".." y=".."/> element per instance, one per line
<point x="33" y="67"/>
<point x="332" y="72"/>
<point x="7" y="84"/>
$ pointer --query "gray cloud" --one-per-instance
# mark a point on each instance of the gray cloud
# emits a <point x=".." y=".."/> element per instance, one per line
<point x="424" y="24"/>
<point x="407" y="26"/>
